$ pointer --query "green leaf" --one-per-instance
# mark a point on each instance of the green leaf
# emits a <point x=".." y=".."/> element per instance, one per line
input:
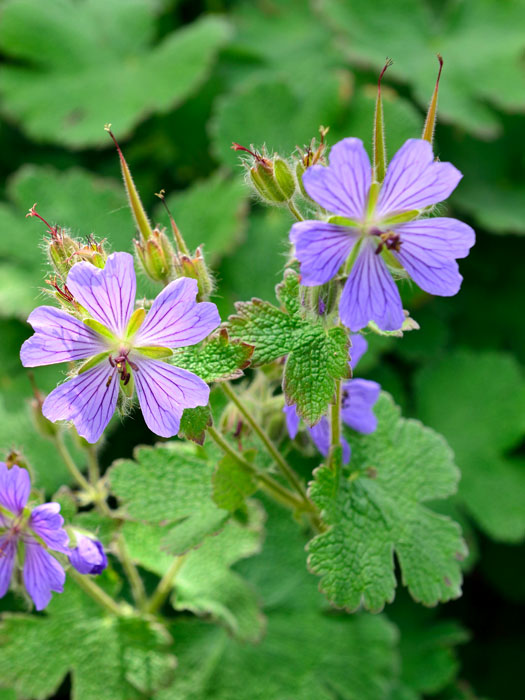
<point x="194" y="422"/>
<point x="481" y="38"/>
<point x="477" y="400"/>
<point x="170" y="486"/>
<point x="205" y="583"/>
<point x="108" y="657"/>
<point x="216" y="359"/>
<point x="96" y="62"/>
<point x="316" y="357"/>
<point x="308" y="652"/>
<point x="232" y="484"/>
<point x="212" y="212"/>
<point x="376" y="508"/>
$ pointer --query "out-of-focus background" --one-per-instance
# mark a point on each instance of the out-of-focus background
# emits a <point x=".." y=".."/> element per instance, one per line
<point x="181" y="80"/>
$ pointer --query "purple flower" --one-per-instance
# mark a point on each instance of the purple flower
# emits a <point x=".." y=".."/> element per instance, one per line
<point x="88" y="557"/>
<point x="382" y="230"/>
<point x="358" y="399"/>
<point x="33" y="533"/>
<point x="124" y="348"/>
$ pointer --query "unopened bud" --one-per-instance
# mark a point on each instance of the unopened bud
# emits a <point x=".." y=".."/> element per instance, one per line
<point x="156" y="256"/>
<point x="312" y="154"/>
<point x="195" y="267"/>
<point x="42" y="424"/>
<point x="272" y="178"/>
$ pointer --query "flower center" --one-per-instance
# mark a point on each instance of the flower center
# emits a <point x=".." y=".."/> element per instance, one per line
<point x="120" y="362"/>
<point x="389" y="239"/>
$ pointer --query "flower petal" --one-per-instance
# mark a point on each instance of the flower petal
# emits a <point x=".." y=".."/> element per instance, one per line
<point x="164" y="392"/>
<point x="15" y="486"/>
<point x="88" y="557"/>
<point x="7" y="562"/>
<point x="292" y="420"/>
<point x="175" y="319"/>
<point x="87" y="400"/>
<point x="342" y="187"/>
<point x="359" y="345"/>
<point x="58" y="337"/>
<point x="42" y="574"/>
<point x="320" y="434"/>
<point x="370" y="294"/>
<point x="429" y="249"/>
<point x="415" y="180"/>
<point x="46" y="522"/>
<point x="357" y="409"/>
<point x="321" y="249"/>
<point x="108" y="294"/>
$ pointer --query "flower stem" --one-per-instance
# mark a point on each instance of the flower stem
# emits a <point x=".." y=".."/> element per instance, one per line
<point x="70" y="464"/>
<point x="137" y="586"/>
<point x="93" y="467"/>
<point x="100" y="596"/>
<point x="285" y="468"/>
<point x="335" y="425"/>
<point x="164" y="586"/>
<point x="273" y="487"/>
<point x="295" y="211"/>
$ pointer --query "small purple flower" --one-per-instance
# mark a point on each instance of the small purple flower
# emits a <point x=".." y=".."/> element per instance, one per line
<point x="120" y="345"/>
<point x="383" y="230"/>
<point x="358" y="399"/>
<point x="88" y="557"/>
<point x="32" y="532"/>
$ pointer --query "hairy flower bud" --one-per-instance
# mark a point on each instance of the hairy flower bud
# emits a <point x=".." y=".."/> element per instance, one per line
<point x="273" y="179"/>
<point x="157" y="256"/>
<point x="195" y="267"/>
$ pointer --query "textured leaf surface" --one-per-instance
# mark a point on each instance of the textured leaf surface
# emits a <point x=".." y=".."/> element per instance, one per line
<point x="194" y="422"/>
<point x="376" y="508"/>
<point x="169" y="486"/>
<point x="315" y="357"/>
<point x="96" y="63"/>
<point x="216" y="359"/>
<point x="307" y="651"/>
<point x="232" y="484"/>
<point x="420" y="29"/>
<point x="477" y="400"/>
<point x="205" y="584"/>
<point x="117" y="659"/>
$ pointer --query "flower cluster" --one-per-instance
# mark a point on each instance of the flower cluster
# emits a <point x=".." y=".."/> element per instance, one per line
<point x="123" y="348"/>
<point x="358" y="399"/>
<point x="378" y="230"/>
<point x="27" y="534"/>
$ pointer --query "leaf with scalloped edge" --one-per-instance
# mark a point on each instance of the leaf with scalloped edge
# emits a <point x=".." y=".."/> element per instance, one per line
<point x="115" y="658"/>
<point x="375" y="508"/>
<point x="219" y="358"/>
<point x="170" y="487"/>
<point x="316" y="356"/>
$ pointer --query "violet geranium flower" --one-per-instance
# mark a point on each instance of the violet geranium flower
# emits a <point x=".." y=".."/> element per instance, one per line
<point x="123" y="348"/>
<point x="382" y="229"/>
<point x="358" y="399"/>
<point x="88" y="557"/>
<point x="32" y="532"/>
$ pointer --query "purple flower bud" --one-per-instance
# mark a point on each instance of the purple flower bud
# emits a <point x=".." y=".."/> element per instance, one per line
<point x="88" y="557"/>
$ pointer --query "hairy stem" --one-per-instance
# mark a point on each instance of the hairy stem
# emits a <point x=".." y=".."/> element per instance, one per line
<point x="284" y="467"/>
<point x="70" y="464"/>
<point x="93" y="467"/>
<point x="273" y="487"/>
<point x="164" y="586"/>
<point x="335" y="425"/>
<point x="137" y="586"/>
<point x="296" y="213"/>
<point x="94" y="591"/>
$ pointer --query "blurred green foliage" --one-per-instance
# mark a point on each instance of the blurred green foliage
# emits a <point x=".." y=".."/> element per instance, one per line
<point x="180" y="81"/>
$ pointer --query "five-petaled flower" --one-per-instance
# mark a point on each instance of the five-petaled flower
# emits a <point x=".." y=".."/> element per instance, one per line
<point x="358" y="399"/>
<point x="29" y="534"/>
<point x="381" y="230"/>
<point x="123" y="348"/>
